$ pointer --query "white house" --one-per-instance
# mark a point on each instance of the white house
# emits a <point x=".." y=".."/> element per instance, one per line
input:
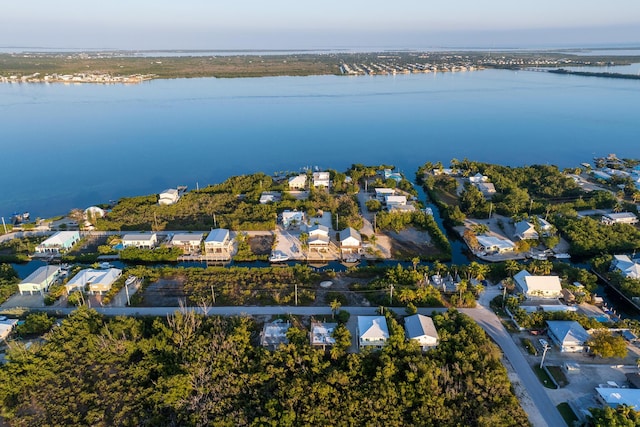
<point x="40" y="280"/>
<point x="321" y="334"/>
<point x="569" y="335"/>
<point x="491" y="244"/>
<point x="393" y="202"/>
<point x="318" y="237"/>
<point x="140" y="240"/>
<point x="273" y="334"/>
<point x="538" y="286"/>
<point x="350" y="240"/>
<point x="6" y="326"/>
<point x="372" y="331"/>
<point x="98" y="281"/>
<point x="486" y="188"/>
<point x="477" y="178"/>
<point x="188" y="242"/>
<point x="292" y="218"/>
<point x="270" y="197"/>
<point x="382" y="193"/>
<point x="60" y="242"/>
<point x="298" y="182"/>
<point x="321" y="179"/>
<point x="422" y="330"/>
<point x="619" y="218"/>
<point x="218" y="244"/>
<point x="626" y="266"/>
<point x="169" y="196"/>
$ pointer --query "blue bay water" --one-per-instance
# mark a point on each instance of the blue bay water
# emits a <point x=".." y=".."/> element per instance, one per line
<point x="68" y="146"/>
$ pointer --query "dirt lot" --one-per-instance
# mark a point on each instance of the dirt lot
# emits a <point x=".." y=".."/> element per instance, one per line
<point x="164" y="293"/>
<point x="261" y="245"/>
<point x="410" y="243"/>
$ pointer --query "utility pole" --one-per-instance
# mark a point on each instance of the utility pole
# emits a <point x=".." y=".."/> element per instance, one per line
<point x="490" y="209"/>
<point x="296" y="293"/>
<point x="126" y="290"/>
<point x="391" y="294"/>
<point x="544" y="353"/>
<point x="504" y="293"/>
<point x="374" y="222"/>
<point x="530" y="206"/>
<point x="213" y="295"/>
<point x="4" y="225"/>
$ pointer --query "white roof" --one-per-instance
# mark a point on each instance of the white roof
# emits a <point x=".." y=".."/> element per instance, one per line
<point x="139" y="237"/>
<point x="385" y="191"/>
<point x="621" y="215"/>
<point x="417" y="326"/>
<point x="322" y="333"/>
<point x="93" y="276"/>
<point x="60" y="238"/>
<point x="187" y="237"/>
<point x="321" y="176"/>
<point x="373" y="327"/>
<point x="172" y="192"/>
<point x="542" y="283"/>
<point x="292" y="214"/>
<point x="396" y="199"/>
<point x="491" y="241"/>
<point x="218" y="235"/>
<point x="319" y="229"/>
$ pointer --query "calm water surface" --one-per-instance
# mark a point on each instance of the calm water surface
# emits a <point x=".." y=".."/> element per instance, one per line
<point x="66" y="146"/>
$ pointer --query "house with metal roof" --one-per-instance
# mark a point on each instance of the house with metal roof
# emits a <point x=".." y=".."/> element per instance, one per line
<point x="372" y="331"/>
<point x="569" y="335"/>
<point x="140" y="240"/>
<point x="626" y="266"/>
<point x="619" y="218"/>
<point x="318" y="237"/>
<point x="616" y="396"/>
<point x="298" y="182"/>
<point x="538" y="286"/>
<point x="58" y="243"/>
<point x="350" y="240"/>
<point x="218" y="244"/>
<point x="40" y="280"/>
<point x="422" y="330"/>
<point x="188" y="242"/>
<point x="96" y="281"/>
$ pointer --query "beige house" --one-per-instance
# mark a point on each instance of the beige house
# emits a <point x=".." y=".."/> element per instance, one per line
<point x="538" y="286"/>
<point x="298" y="182"/>
<point x="188" y="242"/>
<point x="218" y="245"/>
<point x="40" y="280"/>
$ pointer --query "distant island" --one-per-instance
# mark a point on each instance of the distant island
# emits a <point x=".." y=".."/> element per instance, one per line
<point x="596" y="74"/>
<point x="131" y="67"/>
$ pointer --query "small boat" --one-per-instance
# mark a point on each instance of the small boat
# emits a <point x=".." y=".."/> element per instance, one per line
<point x="562" y="256"/>
<point x="278" y="257"/>
<point x="351" y="260"/>
<point x="105" y="265"/>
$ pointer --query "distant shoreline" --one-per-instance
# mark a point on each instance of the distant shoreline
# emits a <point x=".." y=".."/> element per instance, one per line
<point x="595" y="74"/>
<point x="116" y="67"/>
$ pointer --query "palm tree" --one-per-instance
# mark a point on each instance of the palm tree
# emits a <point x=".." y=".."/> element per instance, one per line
<point x="373" y="240"/>
<point x="415" y="261"/>
<point x="335" y="306"/>
<point x="511" y="267"/>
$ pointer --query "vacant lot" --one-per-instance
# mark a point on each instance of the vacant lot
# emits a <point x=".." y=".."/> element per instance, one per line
<point x="410" y="243"/>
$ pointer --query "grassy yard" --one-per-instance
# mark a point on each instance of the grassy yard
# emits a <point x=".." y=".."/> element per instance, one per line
<point x="558" y="375"/>
<point x="543" y="377"/>
<point x="567" y="413"/>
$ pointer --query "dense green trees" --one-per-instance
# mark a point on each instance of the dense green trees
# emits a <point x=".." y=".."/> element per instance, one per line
<point x="8" y="282"/>
<point x="605" y="344"/>
<point x="590" y="237"/>
<point x="195" y="371"/>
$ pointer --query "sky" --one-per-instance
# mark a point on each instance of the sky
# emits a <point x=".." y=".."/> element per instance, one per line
<point x="326" y="24"/>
